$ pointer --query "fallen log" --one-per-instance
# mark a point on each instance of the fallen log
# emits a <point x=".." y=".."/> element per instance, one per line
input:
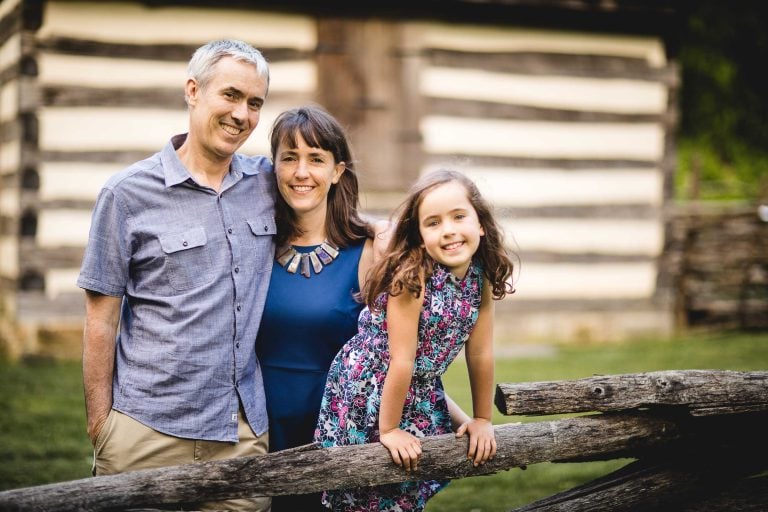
<point x="702" y="392"/>
<point x="748" y="495"/>
<point x="668" y="482"/>
<point x="310" y="469"/>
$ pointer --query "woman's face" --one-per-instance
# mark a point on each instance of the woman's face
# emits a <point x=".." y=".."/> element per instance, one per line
<point x="305" y="175"/>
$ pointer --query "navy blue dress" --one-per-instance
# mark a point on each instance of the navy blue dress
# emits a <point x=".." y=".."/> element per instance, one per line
<point x="305" y="323"/>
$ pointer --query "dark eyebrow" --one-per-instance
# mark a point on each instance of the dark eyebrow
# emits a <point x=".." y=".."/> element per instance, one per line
<point x="233" y="90"/>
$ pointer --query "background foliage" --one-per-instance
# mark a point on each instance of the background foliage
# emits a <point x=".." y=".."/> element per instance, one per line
<point x="724" y="99"/>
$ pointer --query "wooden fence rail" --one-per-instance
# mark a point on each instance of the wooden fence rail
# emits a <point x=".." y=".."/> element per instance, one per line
<point x="670" y="443"/>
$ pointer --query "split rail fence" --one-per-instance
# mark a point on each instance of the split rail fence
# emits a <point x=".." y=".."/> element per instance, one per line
<point x="698" y="437"/>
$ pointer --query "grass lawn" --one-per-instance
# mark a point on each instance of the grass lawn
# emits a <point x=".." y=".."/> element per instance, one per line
<point x="42" y="428"/>
<point x="506" y="490"/>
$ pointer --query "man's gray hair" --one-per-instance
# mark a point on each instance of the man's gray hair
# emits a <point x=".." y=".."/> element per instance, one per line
<point x="205" y="58"/>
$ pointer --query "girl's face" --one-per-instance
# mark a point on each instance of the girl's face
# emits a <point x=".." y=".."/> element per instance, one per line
<point x="305" y="175"/>
<point x="449" y="227"/>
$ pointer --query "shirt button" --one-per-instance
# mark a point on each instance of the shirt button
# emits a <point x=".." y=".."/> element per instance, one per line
<point x="237" y="345"/>
<point x="239" y="307"/>
<point x="229" y="230"/>
<point x="184" y="243"/>
<point x="237" y="269"/>
<point x="266" y="228"/>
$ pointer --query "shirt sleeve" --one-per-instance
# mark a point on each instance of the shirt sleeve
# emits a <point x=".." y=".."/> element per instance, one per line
<point x="107" y="255"/>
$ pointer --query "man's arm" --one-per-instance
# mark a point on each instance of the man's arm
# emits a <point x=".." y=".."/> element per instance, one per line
<point x="102" y="315"/>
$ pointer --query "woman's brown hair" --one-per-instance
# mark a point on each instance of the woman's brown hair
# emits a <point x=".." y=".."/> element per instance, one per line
<point x="319" y="129"/>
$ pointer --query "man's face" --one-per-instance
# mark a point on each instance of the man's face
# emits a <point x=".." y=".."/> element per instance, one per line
<point x="224" y="114"/>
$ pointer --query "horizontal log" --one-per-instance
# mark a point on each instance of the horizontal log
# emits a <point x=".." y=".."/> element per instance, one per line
<point x="164" y="52"/>
<point x="748" y="495"/>
<point x="125" y="157"/>
<point x="10" y="23"/>
<point x="570" y="164"/>
<point x="170" y="98"/>
<point x="309" y="469"/>
<point x="632" y="211"/>
<point x="605" y="305"/>
<point x="457" y="107"/>
<point x="582" y="257"/>
<point x="703" y="392"/>
<point x="555" y="64"/>
<point x="666" y="484"/>
<point x="50" y="257"/>
<point x="33" y="305"/>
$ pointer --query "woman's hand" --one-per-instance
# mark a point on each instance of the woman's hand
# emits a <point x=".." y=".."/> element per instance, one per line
<point x="482" y="440"/>
<point x="404" y="448"/>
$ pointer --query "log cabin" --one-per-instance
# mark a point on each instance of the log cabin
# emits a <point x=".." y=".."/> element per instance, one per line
<point x="563" y="111"/>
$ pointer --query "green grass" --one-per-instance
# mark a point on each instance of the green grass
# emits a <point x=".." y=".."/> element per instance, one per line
<point x="513" y="488"/>
<point x="42" y="427"/>
<point x="43" y="440"/>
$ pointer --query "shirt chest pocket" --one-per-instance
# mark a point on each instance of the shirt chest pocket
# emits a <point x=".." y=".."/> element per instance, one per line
<point x="188" y="258"/>
<point x="260" y="245"/>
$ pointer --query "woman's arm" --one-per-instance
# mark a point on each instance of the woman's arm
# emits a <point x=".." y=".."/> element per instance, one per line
<point x="402" y="325"/>
<point x="479" y="355"/>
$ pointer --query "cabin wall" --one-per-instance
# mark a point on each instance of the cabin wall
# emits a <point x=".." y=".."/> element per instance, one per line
<point x="569" y="134"/>
<point x="12" y="131"/>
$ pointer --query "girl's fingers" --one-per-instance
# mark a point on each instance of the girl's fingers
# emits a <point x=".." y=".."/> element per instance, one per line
<point x="483" y="451"/>
<point x="396" y="457"/>
<point x="409" y="458"/>
<point x="472" y="450"/>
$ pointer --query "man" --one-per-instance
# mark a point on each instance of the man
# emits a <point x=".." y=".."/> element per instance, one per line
<point x="178" y="259"/>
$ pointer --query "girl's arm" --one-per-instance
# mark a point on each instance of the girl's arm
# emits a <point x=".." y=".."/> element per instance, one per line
<point x="479" y="355"/>
<point x="403" y="326"/>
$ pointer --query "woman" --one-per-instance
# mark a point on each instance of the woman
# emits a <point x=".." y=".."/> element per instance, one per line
<point x="324" y="252"/>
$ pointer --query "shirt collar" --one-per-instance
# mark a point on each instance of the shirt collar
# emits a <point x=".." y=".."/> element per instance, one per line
<point x="176" y="172"/>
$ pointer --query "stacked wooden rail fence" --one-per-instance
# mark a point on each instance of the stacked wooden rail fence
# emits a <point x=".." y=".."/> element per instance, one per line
<point x="698" y="437"/>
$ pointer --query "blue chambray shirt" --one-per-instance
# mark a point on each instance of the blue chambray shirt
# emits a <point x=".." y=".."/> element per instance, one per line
<point x="193" y="267"/>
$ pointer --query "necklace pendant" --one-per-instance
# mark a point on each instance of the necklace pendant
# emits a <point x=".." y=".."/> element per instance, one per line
<point x="331" y="250"/>
<point x="293" y="266"/>
<point x="284" y="255"/>
<point x="305" y="265"/>
<point x="324" y="256"/>
<point x="317" y="266"/>
<point x="293" y="260"/>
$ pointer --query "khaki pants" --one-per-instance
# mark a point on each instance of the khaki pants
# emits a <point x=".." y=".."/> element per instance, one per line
<point x="124" y="444"/>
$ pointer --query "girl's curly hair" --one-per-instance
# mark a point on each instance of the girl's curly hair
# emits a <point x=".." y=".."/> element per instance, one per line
<point x="406" y="261"/>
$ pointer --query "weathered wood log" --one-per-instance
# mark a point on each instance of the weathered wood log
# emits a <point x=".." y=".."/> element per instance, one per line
<point x="703" y="392"/>
<point x="313" y="469"/>
<point x="653" y="485"/>
<point x="748" y="495"/>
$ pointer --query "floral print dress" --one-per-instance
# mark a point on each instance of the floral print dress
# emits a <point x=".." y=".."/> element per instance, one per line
<point x="349" y="413"/>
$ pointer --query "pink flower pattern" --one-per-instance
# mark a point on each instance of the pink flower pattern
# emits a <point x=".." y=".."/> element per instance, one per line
<point x="349" y="413"/>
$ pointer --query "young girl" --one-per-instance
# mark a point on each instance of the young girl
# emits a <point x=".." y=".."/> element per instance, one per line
<point x="429" y="296"/>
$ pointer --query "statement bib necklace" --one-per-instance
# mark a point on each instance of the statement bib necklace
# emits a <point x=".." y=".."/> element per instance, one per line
<point x="289" y="258"/>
